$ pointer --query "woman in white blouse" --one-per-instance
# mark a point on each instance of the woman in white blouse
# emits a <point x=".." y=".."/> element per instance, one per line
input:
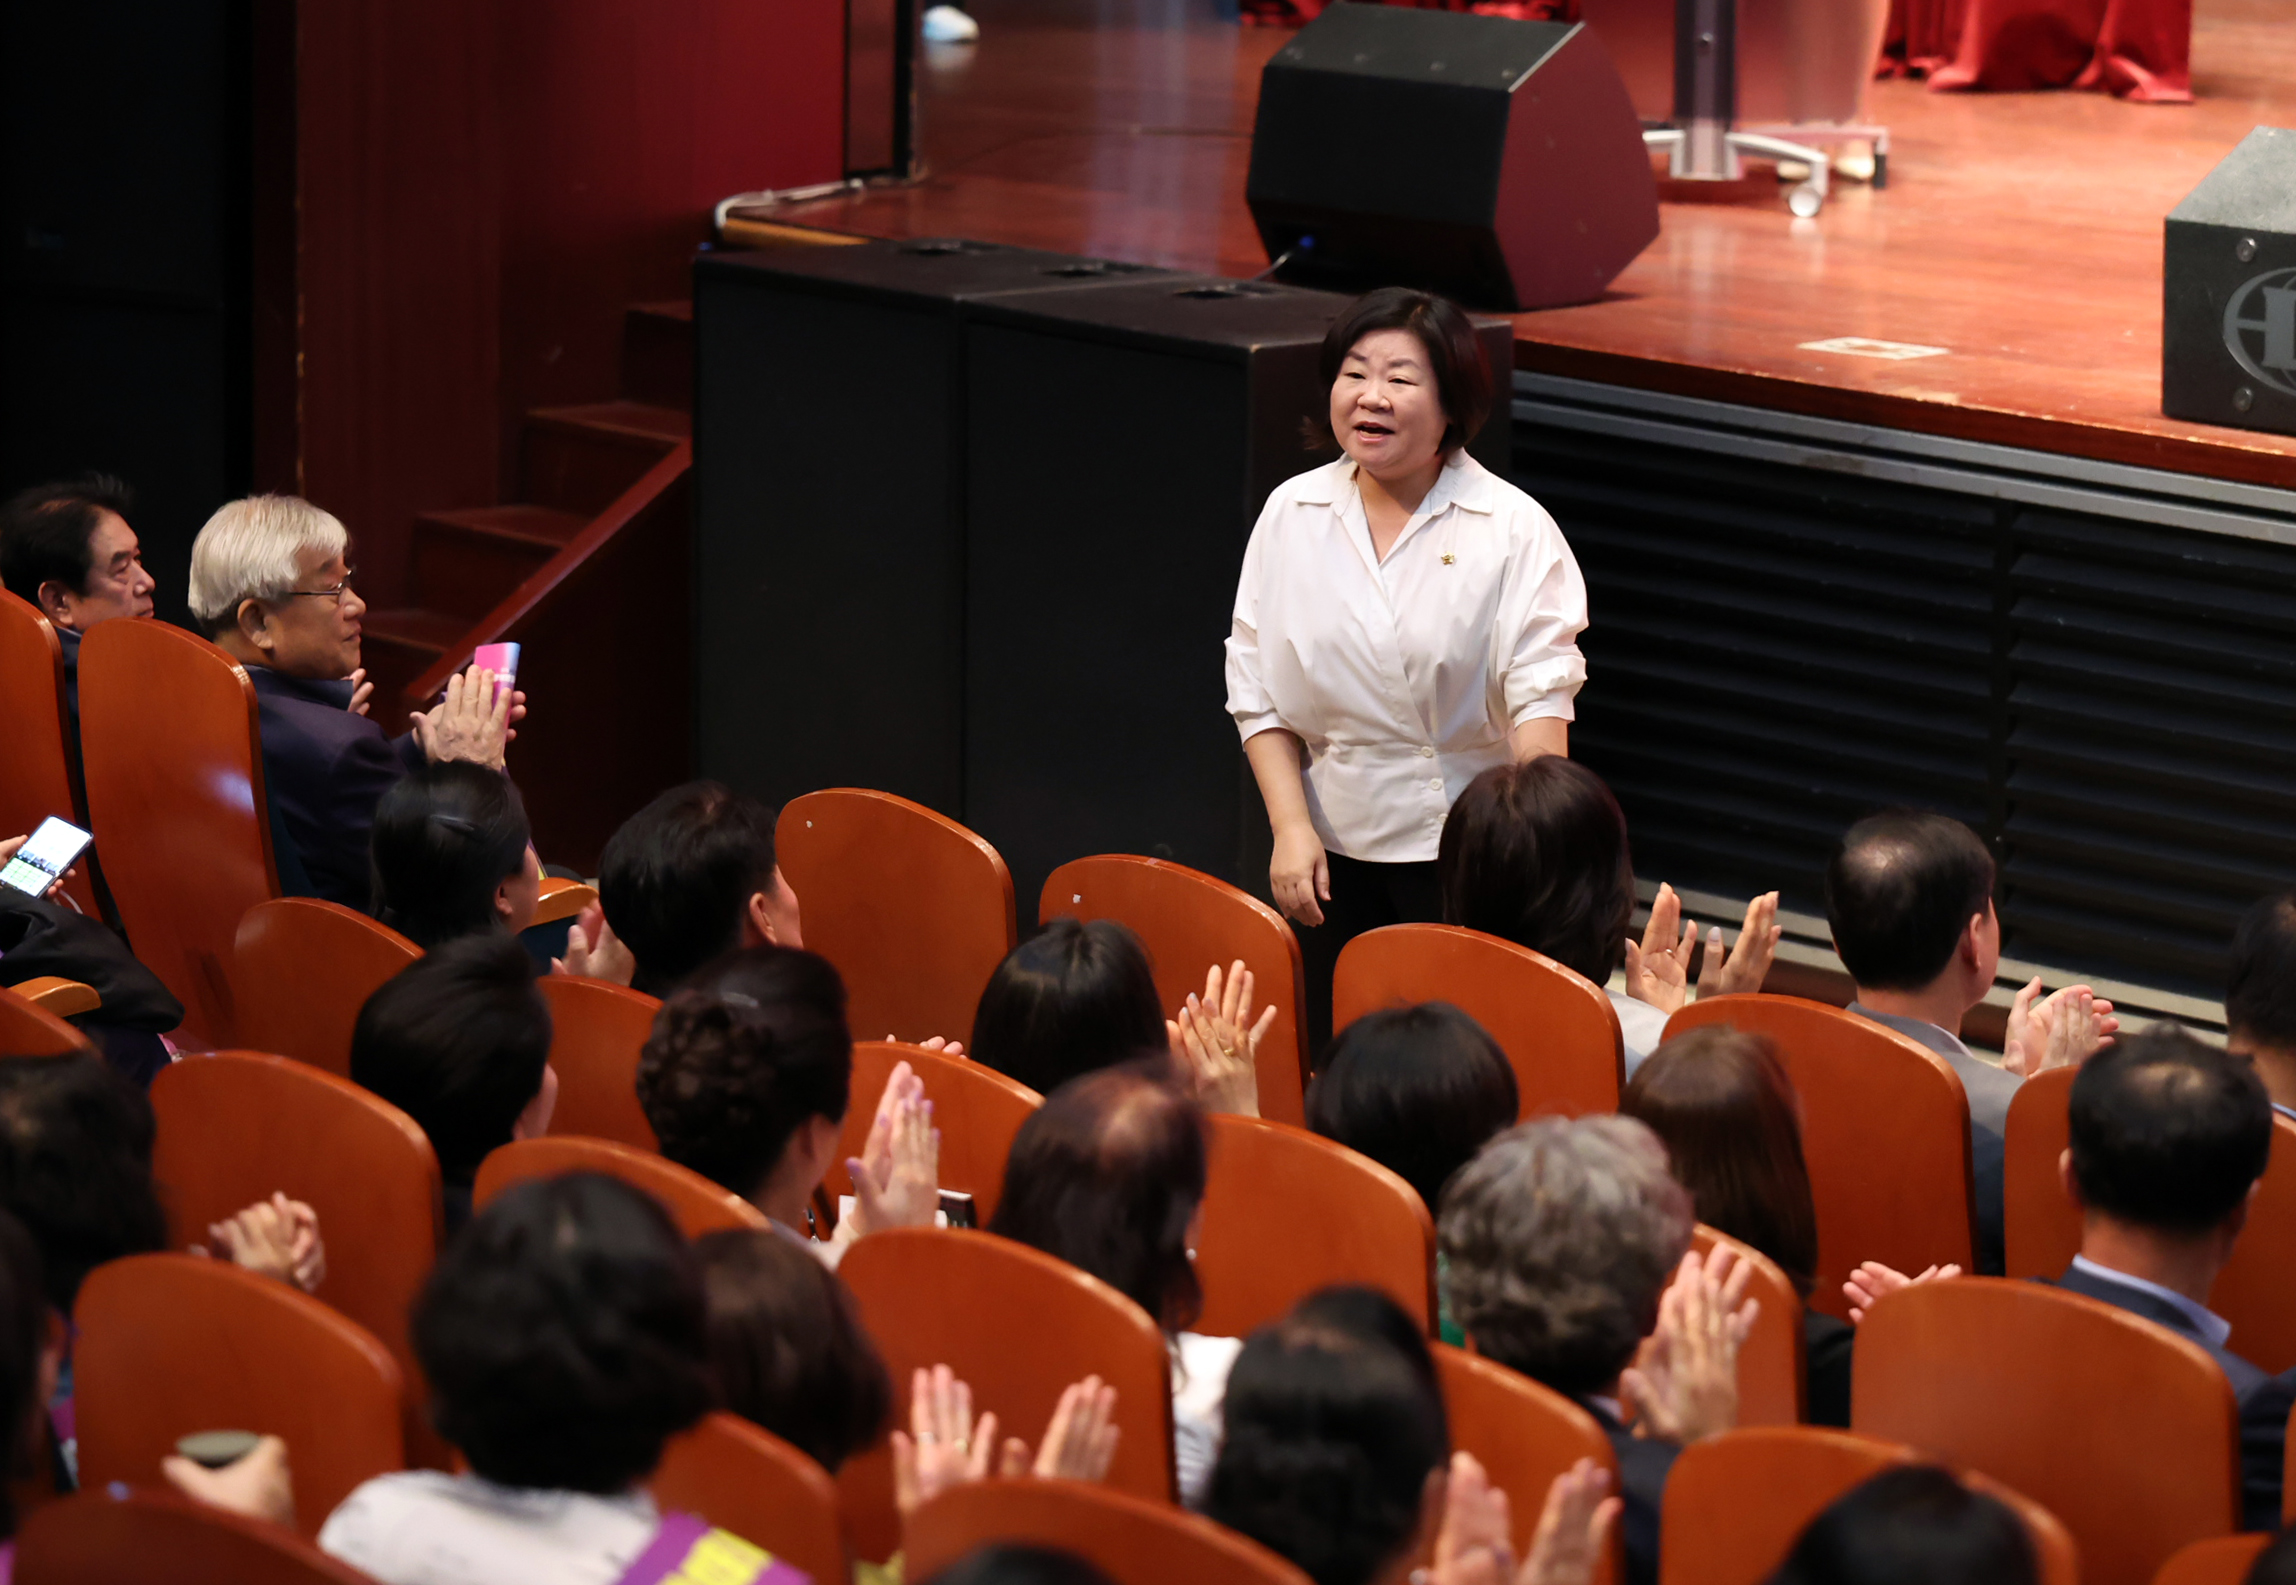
<point x="1406" y="619"/>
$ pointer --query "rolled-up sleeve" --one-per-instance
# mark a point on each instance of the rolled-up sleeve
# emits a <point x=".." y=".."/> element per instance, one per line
<point x="1248" y="698"/>
<point x="1542" y="611"/>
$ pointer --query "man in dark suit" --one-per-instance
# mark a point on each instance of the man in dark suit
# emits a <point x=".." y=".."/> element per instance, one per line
<point x="2168" y="1138"/>
<point x="270" y="582"/>
<point x="67" y="549"/>
<point x="1910" y="898"/>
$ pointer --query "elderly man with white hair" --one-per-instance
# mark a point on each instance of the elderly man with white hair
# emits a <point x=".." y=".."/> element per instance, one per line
<point x="270" y="583"/>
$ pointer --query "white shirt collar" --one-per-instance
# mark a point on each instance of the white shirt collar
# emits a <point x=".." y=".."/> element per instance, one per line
<point x="1464" y="483"/>
<point x="2215" y="1328"/>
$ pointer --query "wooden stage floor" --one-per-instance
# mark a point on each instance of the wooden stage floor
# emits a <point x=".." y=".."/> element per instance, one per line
<point x="2020" y="231"/>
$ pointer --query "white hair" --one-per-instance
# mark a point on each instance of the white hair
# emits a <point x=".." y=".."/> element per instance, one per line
<point x="247" y="551"/>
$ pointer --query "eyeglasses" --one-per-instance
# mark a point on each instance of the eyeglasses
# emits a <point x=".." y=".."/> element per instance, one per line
<point x="334" y="592"/>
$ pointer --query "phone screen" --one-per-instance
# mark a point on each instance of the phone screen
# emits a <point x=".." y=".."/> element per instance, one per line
<point x="53" y="849"/>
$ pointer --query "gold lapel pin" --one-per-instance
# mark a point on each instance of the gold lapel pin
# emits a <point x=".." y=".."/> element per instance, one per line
<point x="1448" y="558"/>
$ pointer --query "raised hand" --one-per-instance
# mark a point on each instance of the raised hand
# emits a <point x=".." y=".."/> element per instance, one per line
<point x="1872" y="1280"/>
<point x="2061" y="1030"/>
<point x="1475" y="1546"/>
<point x="1079" y="1443"/>
<point x="943" y="1446"/>
<point x="1684" y="1382"/>
<point x="472" y="722"/>
<point x="1658" y="969"/>
<point x="594" y="951"/>
<point x="277" y="1238"/>
<point x="1748" y="964"/>
<point x="1574" y="1528"/>
<point x="908" y="1193"/>
<point x="942" y="1044"/>
<point x="1219" y="1042"/>
<point x="361" y="691"/>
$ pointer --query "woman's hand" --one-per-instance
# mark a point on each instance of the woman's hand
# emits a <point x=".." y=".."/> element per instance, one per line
<point x="943" y="1447"/>
<point x="594" y="951"/>
<point x="1658" y="969"/>
<point x="1079" y="1443"/>
<point x="276" y="1238"/>
<point x="1475" y="1545"/>
<point x="1748" y="964"/>
<point x="10" y="846"/>
<point x="904" y="1187"/>
<point x="1299" y="876"/>
<point x="1219" y="1041"/>
<point x="1872" y="1280"/>
<point x="258" y="1486"/>
<point x="1684" y="1382"/>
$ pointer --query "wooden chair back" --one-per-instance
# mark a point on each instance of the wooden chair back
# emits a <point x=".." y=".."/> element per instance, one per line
<point x="301" y="968"/>
<point x="744" y="1479"/>
<point x="2086" y="1394"/>
<point x="2223" y="1560"/>
<point x="30" y="1030"/>
<point x="171" y="1344"/>
<point x="1189" y="921"/>
<point x="697" y="1205"/>
<point x="101" y="1537"/>
<point x="1287" y="1212"/>
<point x="915" y="911"/>
<point x="174" y="768"/>
<point x="1130" y="1539"/>
<point x="1899" y="1193"/>
<point x="2043" y="1226"/>
<point x="1016" y="1324"/>
<point x="976" y="1108"/>
<point x="1773" y="1380"/>
<point x="598" y="1031"/>
<point x="39" y="778"/>
<point x="1559" y="1031"/>
<point x="1523" y="1434"/>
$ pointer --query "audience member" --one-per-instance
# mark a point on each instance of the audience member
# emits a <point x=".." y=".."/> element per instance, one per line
<point x="1536" y="852"/>
<point x="1070" y="999"/>
<point x="746" y="1079"/>
<point x="31" y="1361"/>
<point x="453" y="855"/>
<point x="67" y="549"/>
<point x="459" y="1040"/>
<point x="1109" y="1175"/>
<point x="2260" y="1000"/>
<point x="945" y="1446"/>
<point x="1721" y="1104"/>
<point x="1909" y="897"/>
<point x="1915" y="1525"/>
<point x="686" y="880"/>
<point x="790" y="1351"/>
<point x="271" y="586"/>
<point x="1560" y="1239"/>
<point x="47" y="935"/>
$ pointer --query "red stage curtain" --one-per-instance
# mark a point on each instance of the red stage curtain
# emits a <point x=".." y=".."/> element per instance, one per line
<point x="2139" y="49"/>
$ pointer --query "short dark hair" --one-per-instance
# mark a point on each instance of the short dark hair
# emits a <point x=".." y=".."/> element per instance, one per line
<point x="2276" y="1564"/>
<point x="47" y="533"/>
<point x="790" y="1351"/>
<point x="1107" y="1174"/>
<point x="2260" y="998"/>
<point x="1463" y="381"/>
<point x="1012" y="1563"/>
<point x="23" y="1337"/>
<point x="1900" y="889"/>
<point x="1417" y="1089"/>
<point x="2167" y="1131"/>
<point x="744" y="1054"/>
<point x="1720" y="1102"/>
<point x="676" y="877"/>
<point x="445" y="837"/>
<point x="562" y="1336"/>
<point x="1914" y="1525"/>
<point x="75" y="1166"/>
<point x="1330" y="1435"/>
<point x="457" y="1040"/>
<point x="1069" y="999"/>
<point x="1537" y="853"/>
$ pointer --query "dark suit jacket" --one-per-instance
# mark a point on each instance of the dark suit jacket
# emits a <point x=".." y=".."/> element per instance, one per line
<point x="71" y="642"/>
<point x="2264" y="1400"/>
<point x="326" y="769"/>
<point x="1990" y="1090"/>
<point x="1643" y="1466"/>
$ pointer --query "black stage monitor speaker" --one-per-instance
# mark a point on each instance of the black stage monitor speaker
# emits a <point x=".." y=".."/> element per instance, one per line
<point x="1120" y="446"/>
<point x="1498" y="162"/>
<point x="829" y="528"/>
<point x="2228" y="322"/>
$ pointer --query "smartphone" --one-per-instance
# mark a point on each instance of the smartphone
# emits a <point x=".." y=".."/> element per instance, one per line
<point x="54" y="848"/>
<point x="502" y="660"/>
<point x="957" y="1209"/>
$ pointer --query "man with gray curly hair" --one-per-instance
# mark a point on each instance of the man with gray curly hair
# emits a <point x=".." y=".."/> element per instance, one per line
<point x="1566" y="1249"/>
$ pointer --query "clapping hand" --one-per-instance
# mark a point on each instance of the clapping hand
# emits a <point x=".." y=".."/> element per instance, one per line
<point x="475" y="721"/>
<point x="1218" y="1041"/>
<point x="1748" y="964"/>
<point x="1684" y="1382"/>
<point x="1872" y="1280"/>
<point x="277" y="1238"/>
<point x="1475" y="1545"/>
<point x="594" y="951"/>
<point x="1658" y="969"/>
<point x="943" y="1447"/>
<point x="361" y="691"/>
<point x="901" y="1186"/>
<point x="2056" y="1031"/>
<point x="1079" y="1442"/>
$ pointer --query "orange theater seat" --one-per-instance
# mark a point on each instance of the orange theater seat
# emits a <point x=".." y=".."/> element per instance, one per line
<point x="301" y="969"/>
<point x="976" y="1109"/>
<point x="28" y="1029"/>
<point x="2043" y="1225"/>
<point x="697" y="1205"/>
<point x="1523" y="1435"/>
<point x="1018" y="1326"/>
<point x="171" y="1344"/>
<point x="2225" y="1560"/>
<point x="1899" y="1193"/>
<point x="103" y="1537"/>
<point x="1189" y="921"/>
<point x="598" y="1031"/>
<point x="1559" y="1031"/>
<point x="174" y="766"/>
<point x="2062" y="1397"/>
<point x="1287" y="1212"/>
<point x="915" y="911"/>
<point x="1772" y="1378"/>
<point x="1132" y="1541"/>
<point x="37" y="777"/>
<point x="749" y="1481"/>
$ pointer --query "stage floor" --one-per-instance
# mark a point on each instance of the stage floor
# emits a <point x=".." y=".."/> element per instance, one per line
<point x="2022" y="232"/>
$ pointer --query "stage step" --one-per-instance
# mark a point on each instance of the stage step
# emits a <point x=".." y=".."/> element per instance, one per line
<point x="396" y="647"/>
<point x="467" y="560"/>
<point x="578" y="459"/>
<point x="658" y="354"/>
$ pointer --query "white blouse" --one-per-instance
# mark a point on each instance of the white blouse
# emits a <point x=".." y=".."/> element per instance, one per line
<point x="1404" y="678"/>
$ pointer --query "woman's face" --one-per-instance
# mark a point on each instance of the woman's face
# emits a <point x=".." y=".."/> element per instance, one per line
<point x="1385" y="407"/>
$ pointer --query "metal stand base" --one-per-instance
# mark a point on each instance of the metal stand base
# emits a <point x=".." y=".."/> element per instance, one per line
<point x="1709" y="152"/>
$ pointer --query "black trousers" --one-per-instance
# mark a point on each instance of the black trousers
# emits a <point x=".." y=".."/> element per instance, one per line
<point x="1364" y="896"/>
